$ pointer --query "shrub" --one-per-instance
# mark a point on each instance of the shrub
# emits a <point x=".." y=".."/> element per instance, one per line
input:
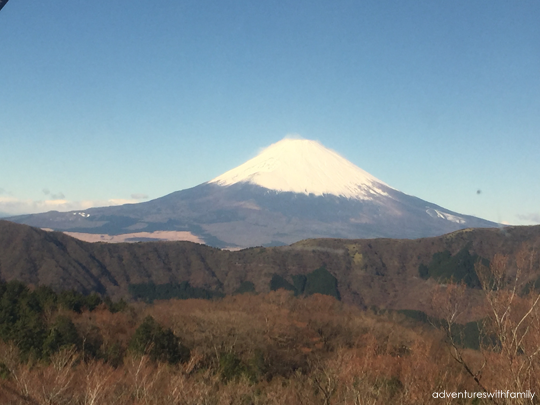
<point x="230" y="366"/>
<point x="160" y="344"/>
<point x="62" y="334"/>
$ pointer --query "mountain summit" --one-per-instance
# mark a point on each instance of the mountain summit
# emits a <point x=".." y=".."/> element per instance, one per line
<point x="304" y="166"/>
<point x="294" y="189"/>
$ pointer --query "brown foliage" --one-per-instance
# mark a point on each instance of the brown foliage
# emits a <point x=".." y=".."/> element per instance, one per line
<point x="509" y="358"/>
<point x="313" y="350"/>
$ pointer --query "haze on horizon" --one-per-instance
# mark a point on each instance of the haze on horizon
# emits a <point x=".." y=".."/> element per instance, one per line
<point x="107" y="103"/>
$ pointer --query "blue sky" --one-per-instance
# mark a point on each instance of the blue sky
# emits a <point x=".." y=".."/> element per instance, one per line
<point x="105" y="102"/>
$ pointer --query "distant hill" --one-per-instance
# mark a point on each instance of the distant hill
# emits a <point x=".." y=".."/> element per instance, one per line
<point x="380" y="272"/>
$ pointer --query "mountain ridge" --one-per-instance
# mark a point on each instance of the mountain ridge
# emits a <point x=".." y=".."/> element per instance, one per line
<point x="370" y="272"/>
<point x="234" y="211"/>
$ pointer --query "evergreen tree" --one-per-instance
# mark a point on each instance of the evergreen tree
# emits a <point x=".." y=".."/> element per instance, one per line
<point x="160" y="344"/>
<point x="63" y="334"/>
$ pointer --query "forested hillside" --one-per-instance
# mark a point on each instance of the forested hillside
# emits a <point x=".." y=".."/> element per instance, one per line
<point x="318" y="322"/>
<point x="389" y="273"/>
<point x="268" y="349"/>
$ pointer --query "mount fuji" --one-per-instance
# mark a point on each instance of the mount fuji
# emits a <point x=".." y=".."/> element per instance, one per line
<point x="294" y="189"/>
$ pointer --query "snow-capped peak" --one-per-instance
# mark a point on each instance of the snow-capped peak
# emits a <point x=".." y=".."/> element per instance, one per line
<point x="304" y="166"/>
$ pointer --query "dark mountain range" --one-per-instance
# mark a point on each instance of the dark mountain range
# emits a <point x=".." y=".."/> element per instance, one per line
<point x="293" y="190"/>
<point x="3" y="3"/>
<point x="380" y="272"/>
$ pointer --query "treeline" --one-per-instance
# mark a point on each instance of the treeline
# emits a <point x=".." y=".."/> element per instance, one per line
<point x="32" y="319"/>
<point x="319" y="281"/>
<point x="149" y="292"/>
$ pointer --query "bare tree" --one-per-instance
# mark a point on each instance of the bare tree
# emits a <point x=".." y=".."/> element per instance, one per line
<point x="508" y="358"/>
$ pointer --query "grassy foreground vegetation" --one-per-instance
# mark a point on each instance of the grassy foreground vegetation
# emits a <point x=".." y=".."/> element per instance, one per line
<point x="274" y="348"/>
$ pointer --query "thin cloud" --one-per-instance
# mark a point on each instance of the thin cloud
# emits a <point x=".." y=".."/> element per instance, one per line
<point x="139" y="196"/>
<point x="14" y="206"/>
<point x="533" y="217"/>
<point x="120" y="201"/>
<point x="57" y="196"/>
<point x="293" y="136"/>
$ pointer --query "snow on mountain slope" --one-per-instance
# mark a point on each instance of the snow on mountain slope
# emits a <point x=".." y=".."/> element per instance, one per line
<point x="444" y="215"/>
<point x="319" y="194"/>
<point x="304" y="166"/>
